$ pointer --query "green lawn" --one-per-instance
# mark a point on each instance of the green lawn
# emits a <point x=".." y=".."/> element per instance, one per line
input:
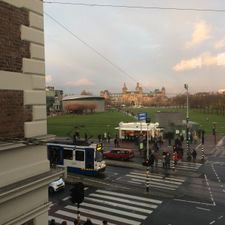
<point x="98" y="123"/>
<point x="205" y="120"/>
<point x="92" y="124"/>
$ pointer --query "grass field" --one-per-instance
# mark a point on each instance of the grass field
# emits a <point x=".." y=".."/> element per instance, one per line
<point x="205" y="120"/>
<point x="92" y="124"/>
<point x="98" y="123"/>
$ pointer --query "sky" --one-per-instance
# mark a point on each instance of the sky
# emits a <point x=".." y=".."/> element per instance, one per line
<point x="101" y="48"/>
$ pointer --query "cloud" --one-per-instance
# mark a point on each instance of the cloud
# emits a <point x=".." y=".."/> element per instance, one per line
<point x="200" y="34"/>
<point x="78" y="83"/>
<point x="48" y="78"/>
<point x="220" y="44"/>
<point x="204" y="59"/>
<point x="221" y="59"/>
<point x="188" y="64"/>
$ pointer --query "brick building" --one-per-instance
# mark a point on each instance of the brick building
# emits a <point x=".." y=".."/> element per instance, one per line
<point x="25" y="173"/>
<point x="136" y="97"/>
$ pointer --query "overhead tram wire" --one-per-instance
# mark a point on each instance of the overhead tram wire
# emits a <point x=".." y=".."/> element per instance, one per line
<point x="92" y="48"/>
<point x="138" y="7"/>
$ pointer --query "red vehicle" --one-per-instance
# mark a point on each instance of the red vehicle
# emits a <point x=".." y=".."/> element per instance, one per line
<point x="119" y="153"/>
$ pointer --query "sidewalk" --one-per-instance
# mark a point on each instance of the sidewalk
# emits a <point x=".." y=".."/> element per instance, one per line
<point x="137" y="161"/>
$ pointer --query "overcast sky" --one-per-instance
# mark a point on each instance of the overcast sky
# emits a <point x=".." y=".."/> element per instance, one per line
<point x="157" y="48"/>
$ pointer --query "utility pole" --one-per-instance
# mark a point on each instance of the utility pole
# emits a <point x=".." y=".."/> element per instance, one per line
<point x="187" y="125"/>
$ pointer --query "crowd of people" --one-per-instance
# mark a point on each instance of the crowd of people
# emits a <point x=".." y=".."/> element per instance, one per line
<point x="76" y="222"/>
<point x="173" y="153"/>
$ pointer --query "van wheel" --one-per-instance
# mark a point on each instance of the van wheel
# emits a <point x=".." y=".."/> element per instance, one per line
<point x="51" y="189"/>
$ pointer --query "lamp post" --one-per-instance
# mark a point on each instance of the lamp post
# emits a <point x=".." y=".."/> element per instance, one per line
<point x="187" y="124"/>
<point x="147" y="157"/>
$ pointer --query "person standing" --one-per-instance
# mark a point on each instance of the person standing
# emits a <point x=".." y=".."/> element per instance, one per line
<point x="104" y="222"/>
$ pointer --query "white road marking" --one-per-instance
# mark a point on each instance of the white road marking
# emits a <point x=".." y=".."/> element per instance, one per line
<point x="158" y="176"/>
<point x="51" y="204"/>
<point x="134" y="182"/>
<point x="104" y="215"/>
<point x="203" y="208"/>
<point x="154" y="179"/>
<point x="124" y="201"/>
<point x="212" y="222"/>
<point x="220" y="217"/>
<point x="118" y="205"/>
<point x="58" y="220"/>
<point x="66" y="198"/>
<point x="111" y="210"/>
<point x="158" y="184"/>
<point x="72" y="215"/>
<point x="130" y="196"/>
<point x="210" y="192"/>
<point x="193" y="202"/>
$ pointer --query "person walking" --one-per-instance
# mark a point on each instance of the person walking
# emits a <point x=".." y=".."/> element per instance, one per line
<point x="167" y="160"/>
<point x="52" y="222"/>
<point x="64" y="223"/>
<point x="76" y="222"/>
<point x="88" y="222"/>
<point x="194" y="155"/>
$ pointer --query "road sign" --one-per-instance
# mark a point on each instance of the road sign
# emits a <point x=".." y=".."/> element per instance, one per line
<point x="142" y="116"/>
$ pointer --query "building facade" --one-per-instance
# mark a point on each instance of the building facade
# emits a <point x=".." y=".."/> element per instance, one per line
<point x="83" y="103"/>
<point x="25" y="172"/>
<point x="136" y="97"/>
<point x="54" y="100"/>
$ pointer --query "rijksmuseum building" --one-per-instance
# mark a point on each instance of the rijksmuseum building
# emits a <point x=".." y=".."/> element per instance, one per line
<point x="136" y="97"/>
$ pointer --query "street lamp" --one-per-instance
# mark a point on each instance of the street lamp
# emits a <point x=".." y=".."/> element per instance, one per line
<point x="187" y="124"/>
<point x="147" y="157"/>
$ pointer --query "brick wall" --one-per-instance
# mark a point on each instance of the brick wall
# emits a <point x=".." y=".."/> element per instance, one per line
<point x="13" y="114"/>
<point x="12" y="48"/>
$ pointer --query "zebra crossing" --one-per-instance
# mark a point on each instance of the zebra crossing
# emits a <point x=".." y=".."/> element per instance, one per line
<point x="188" y="166"/>
<point x="218" y="151"/>
<point x="116" y="208"/>
<point x="156" y="181"/>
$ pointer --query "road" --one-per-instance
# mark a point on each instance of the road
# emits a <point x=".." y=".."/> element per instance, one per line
<point x="193" y="193"/>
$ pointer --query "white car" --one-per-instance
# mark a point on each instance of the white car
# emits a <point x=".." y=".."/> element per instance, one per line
<point x="56" y="185"/>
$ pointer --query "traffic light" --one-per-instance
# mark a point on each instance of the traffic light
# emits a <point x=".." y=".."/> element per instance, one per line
<point x="77" y="193"/>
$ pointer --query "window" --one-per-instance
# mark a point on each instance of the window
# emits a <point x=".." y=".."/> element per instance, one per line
<point x="99" y="156"/>
<point x="68" y="154"/>
<point x="79" y="155"/>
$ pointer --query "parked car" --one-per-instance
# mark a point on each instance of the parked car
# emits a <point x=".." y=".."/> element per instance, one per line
<point x="56" y="185"/>
<point x="119" y="153"/>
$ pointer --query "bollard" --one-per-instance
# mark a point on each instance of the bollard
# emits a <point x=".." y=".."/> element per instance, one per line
<point x="147" y="179"/>
<point x="203" y="153"/>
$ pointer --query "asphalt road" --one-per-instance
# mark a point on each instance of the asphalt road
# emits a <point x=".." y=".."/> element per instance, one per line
<point x="192" y="194"/>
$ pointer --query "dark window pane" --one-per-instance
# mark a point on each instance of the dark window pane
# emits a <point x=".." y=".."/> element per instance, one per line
<point x="79" y="155"/>
<point x="68" y="154"/>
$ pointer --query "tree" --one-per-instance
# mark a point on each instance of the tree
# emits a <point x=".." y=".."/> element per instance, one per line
<point x="84" y="92"/>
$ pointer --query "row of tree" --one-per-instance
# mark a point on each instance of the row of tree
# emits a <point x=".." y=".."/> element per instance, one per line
<point x="80" y="108"/>
<point x="207" y="103"/>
